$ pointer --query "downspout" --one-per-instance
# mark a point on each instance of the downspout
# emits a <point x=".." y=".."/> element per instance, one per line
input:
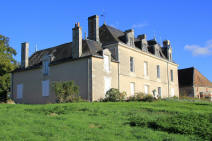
<point x="11" y="89"/>
<point x="90" y="96"/>
<point x="168" y="77"/>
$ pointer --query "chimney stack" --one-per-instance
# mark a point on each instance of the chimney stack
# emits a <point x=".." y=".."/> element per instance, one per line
<point x="93" y="28"/>
<point x="166" y="43"/>
<point x="76" y="41"/>
<point x="24" y="55"/>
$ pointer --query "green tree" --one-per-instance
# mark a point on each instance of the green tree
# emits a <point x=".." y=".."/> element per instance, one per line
<point x="7" y="65"/>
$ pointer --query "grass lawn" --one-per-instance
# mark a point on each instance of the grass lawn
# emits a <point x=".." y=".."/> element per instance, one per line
<point x="160" y="120"/>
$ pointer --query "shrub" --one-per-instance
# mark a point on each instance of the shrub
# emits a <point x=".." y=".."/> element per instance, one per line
<point x="66" y="91"/>
<point x="148" y="98"/>
<point x="114" y="95"/>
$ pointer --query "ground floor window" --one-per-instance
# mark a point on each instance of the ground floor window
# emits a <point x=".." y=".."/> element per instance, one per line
<point x="132" y="88"/>
<point x="146" y="89"/>
<point x="107" y="84"/>
<point x="20" y="91"/>
<point x="45" y="88"/>
<point x="159" y="91"/>
<point x="172" y="92"/>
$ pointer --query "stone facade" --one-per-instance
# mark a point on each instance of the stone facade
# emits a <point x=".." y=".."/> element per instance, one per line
<point x="109" y="58"/>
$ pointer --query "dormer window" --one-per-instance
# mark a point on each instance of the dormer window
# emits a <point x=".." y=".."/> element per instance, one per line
<point x="45" y="62"/>
<point x="45" y="67"/>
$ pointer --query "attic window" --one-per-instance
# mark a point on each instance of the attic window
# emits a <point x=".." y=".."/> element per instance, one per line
<point x="45" y="67"/>
<point x="131" y="42"/>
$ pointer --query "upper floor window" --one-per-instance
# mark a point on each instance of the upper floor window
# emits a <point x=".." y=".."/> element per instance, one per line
<point x="158" y="71"/>
<point x="171" y="73"/>
<point x="132" y="69"/>
<point x="106" y="63"/>
<point x="145" y="68"/>
<point x="46" y="67"/>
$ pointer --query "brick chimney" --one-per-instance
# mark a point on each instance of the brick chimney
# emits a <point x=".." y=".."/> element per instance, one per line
<point x="76" y="41"/>
<point x="93" y="28"/>
<point x="24" y="55"/>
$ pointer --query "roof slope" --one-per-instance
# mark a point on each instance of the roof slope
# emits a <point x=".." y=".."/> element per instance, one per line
<point x="192" y="77"/>
<point x="64" y="51"/>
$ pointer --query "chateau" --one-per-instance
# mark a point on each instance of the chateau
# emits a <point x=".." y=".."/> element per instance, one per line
<point x="107" y="58"/>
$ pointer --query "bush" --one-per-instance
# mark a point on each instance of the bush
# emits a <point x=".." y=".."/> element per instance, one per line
<point x="114" y="95"/>
<point x="66" y="91"/>
<point x="141" y="97"/>
<point x="148" y="98"/>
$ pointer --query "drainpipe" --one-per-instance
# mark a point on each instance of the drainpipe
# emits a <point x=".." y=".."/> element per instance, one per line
<point x="168" y="77"/>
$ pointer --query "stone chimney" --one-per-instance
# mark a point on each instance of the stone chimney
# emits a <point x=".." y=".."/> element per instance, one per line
<point x="24" y="55"/>
<point x="76" y="41"/>
<point x="143" y="42"/>
<point x="129" y="36"/>
<point x="167" y="49"/>
<point x="93" y="28"/>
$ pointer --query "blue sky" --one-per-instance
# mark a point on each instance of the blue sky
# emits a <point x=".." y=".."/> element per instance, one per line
<point x="186" y="23"/>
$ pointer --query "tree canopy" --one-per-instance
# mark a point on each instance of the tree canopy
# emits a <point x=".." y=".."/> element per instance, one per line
<point x="7" y="65"/>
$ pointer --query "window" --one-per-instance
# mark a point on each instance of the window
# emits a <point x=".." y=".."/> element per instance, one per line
<point x="132" y="64"/>
<point x="19" y="91"/>
<point x="172" y="92"/>
<point x="159" y="91"/>
<point x="171" y="72"/>
<point x="106" y="63"/>
<point x="45" y="88"/>
<point x="107" y="84"/>
<point x="145" y="69"/>
<point x="146" y="89"/>
<point x="132" y="88"/>
<point x="45" y="67"/>
<point x="131" y="42"/>
<point x="158" y="71"/>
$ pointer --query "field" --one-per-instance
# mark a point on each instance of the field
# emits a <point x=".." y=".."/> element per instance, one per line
<point x="164" y="120"/>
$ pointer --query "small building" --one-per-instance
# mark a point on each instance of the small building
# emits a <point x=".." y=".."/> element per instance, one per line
<point x="193" y="84"/>
<point x="107" y="58"/>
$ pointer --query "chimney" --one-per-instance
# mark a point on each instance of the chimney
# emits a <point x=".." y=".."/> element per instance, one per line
<point x="142" y="36"/>
<point x="129" y="36"/>
<point x="76" y="41"/>
<point x="166" y="43"/>
<point x="93" y="28"/>
<point x="24" y="55"/>
<point x="167" y="49"/>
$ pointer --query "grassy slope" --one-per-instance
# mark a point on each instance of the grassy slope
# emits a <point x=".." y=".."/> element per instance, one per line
<point x="102" y="121"/>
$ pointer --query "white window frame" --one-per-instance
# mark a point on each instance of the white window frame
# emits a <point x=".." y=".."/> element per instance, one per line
<point x="145" y="68"/>
<point x="106" y="63"/>
<point x="107" y="84"/>
<point x="146" y="89"/>
<point x="19" y="91"/>
<point x="45" y="88"/>
<point x="132" y="88"/>
<point x="132" y="66"/>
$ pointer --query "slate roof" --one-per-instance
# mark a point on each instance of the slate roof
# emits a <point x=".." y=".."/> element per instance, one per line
<point x="192" y="77"/>
<point x="107" y="35"/>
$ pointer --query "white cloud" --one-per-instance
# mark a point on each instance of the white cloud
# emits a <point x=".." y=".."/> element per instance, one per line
<point x="200" y="50"/>
<point x="141" y="25"/>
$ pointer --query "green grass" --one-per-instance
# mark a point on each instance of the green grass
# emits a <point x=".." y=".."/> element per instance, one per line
<point x="122" y="121"/>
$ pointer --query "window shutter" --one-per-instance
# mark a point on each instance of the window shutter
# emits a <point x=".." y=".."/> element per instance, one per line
<point x="107" y="84"/>
<point x="20" y="91"/>
<point x="132" y="89"/>
<point x="106" y="63"/>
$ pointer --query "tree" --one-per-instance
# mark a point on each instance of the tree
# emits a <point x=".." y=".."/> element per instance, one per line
<point x="7" y="65"/>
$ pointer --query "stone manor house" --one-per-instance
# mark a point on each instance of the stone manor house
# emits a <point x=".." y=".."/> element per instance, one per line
<point x="107" y="58"/>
